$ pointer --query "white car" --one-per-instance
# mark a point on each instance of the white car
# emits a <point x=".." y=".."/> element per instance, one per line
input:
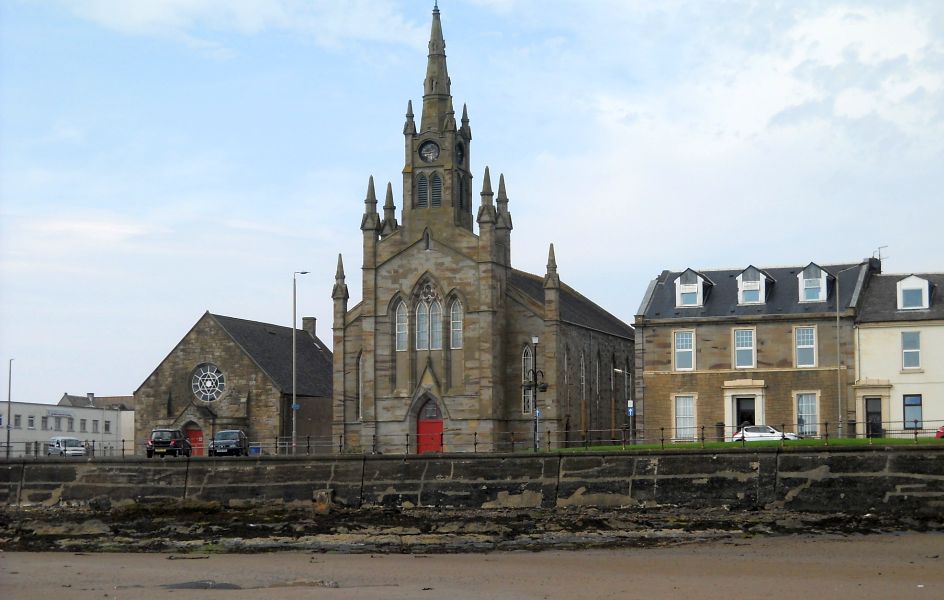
<point x="756" y="433"/>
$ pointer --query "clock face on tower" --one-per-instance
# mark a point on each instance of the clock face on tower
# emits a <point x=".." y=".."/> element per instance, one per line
<point x="429" y="151"/>
<point x="460" y="153"/>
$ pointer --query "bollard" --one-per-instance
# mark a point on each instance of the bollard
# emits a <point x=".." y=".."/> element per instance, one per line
<point x="442" y="441"/>
<point x="662" y="437"/>
<point x="475" y="441"/>
<point x="826" y="432"/>
<point x="783" y="434"/>
<point x="916" y="431"/>
<point x="308" y="444"/>
<point x="122" y="448"/>
<point x="340" y="443"/>
<point x="548" y="438"/>
<point x="406" y="450"/>
<point x="702" y="436"/>
<point x="373" y="443"/>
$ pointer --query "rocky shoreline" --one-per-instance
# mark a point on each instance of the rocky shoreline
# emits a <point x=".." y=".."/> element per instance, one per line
<point x="208" y="527"/>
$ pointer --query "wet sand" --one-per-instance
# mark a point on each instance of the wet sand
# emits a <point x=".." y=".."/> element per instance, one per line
<point x="909" y="565"/>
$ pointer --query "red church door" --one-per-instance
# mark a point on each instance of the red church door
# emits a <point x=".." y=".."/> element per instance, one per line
<point x="429" y="428"/>
<point x="196" y="440"/>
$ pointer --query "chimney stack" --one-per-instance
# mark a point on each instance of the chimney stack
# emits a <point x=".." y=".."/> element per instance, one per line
<point x="309" y="324"/>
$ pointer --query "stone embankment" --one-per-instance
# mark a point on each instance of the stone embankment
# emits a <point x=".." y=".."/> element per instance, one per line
<point x="453" y="503"/>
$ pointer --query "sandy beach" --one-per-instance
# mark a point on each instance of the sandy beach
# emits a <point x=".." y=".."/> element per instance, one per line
<point x="908" y="565"/>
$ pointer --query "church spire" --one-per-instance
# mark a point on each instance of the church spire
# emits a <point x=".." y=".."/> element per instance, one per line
<point x="486" y="210"/>
<point x="389" y="223"/>
<point x="409" y="127"/>
<point x="504" y="217"/>
<point x="340" y="287"/>
<point x="551" y="278"/>
<point x="370" y="221"/>
<point x="436" y="94"/>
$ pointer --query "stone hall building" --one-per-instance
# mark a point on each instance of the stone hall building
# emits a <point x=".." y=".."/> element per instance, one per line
<point x="440" y="353"/>
<point x="230" y="373"/>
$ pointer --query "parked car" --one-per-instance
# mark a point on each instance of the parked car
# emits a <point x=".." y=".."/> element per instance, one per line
<point x="229" y="441"/>
<point x="756" y="433"/>
<point x="165" y="442"/>
<point x="940" y="433"/>
<point x="65" y="446"/>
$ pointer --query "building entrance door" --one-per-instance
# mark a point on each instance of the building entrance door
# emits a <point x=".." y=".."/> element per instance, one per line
<point x="744" y="411"/>
<point x="873" y="417"/>
<point x="195" y="436"/>
<point x="429" y="428"/>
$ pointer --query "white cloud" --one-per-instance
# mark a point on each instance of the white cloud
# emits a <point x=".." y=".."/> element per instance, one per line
<point x="328" y="22"/>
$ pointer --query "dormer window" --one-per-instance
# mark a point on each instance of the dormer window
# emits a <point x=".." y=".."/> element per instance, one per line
<point x="913" y="293"/>
<point x="751" y="284"/>
<point x="812" y="284"/>
<point x="689" y="289"/>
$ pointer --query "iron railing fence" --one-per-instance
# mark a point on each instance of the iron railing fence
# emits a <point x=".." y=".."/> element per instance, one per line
<point x="823" y="433"/>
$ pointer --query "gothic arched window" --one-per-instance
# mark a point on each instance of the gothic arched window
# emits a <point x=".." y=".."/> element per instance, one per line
<point x="527" y="392"/>
<point x="455" y="324"/>
<point x="422" y="326"/>
<point x="422" y="192"/>
<point x="401" y="327"/>
<point x="359" y="405"/>
<point x="435" y="325"/>
<point x="436" y="184"/>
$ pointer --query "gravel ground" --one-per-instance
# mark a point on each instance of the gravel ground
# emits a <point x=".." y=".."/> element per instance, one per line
<point x="906" y="565"/>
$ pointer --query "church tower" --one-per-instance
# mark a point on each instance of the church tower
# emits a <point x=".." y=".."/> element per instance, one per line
<point x="436" y="177"/>
<point x="439" y="353"/>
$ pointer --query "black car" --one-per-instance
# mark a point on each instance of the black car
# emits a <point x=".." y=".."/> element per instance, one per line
<point x="230" y="441"/>
<point x="163" y="442"/>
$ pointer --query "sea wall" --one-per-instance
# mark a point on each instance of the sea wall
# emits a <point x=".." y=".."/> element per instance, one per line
<point x="898" y="481"/>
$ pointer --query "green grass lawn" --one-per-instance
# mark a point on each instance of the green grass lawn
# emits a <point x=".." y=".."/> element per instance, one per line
<point x="897" y="441"/>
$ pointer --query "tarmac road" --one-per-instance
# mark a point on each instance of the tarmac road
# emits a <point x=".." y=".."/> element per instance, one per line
<point x="908" y="565"/>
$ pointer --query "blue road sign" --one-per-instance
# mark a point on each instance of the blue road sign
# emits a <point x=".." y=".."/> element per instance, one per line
<point x="630" y="411"/>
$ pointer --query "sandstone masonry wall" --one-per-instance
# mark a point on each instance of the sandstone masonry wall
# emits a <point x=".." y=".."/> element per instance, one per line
<point x="894" y="481"/>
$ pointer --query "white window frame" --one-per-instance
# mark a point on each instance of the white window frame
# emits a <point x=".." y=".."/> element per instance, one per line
<point x="30" y="422"/>
<point x="758" y="286"/>
<point x="687" y="288"/>
<point x="806" y="428"/>
<point x="401" y="328"/>
<point x="753" y="347"/>
<point x="527" y="394"/>
<point x="455" y="325"/>
<point x="83" y="425"/>
<point x="675" y="349"/>
<point x="687" y="429"/>
<point x="915" y="351"/>
<point x="821" y="285"/>
<point x="435" y="325"/>
<point x="797" y="346"/>
<point x="911" y="284"/>
<point x="422" y="326"/>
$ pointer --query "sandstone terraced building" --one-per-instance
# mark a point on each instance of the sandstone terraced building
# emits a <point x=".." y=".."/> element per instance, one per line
<point x="439" y="354"/>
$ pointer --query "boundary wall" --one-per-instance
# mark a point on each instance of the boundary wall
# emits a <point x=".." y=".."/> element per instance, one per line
<point x="883" y="480"/>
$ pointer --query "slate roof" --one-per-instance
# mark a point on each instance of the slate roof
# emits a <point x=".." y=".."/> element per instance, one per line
<point x="574" y="308"/>
<point x="115" y="402"/>
<point x="880" y="303"/>
<point x="270" y="346"/>
<point x="721" y="299"/>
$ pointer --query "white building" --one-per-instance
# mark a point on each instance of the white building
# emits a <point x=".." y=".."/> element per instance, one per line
<point x="900" y="355"/>
<point x="104" y="426"/>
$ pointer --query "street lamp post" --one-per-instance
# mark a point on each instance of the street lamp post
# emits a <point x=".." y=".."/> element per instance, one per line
<point x="630" y="405"/>
<point x="9" y="403"/>
<point x="535" y="384"/>
<point x="295" y="406"/>
<point x="839" y="354"/>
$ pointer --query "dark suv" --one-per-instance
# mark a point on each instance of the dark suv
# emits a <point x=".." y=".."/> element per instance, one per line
<point x="168" y="441"/>
<point x="230" y="441"/>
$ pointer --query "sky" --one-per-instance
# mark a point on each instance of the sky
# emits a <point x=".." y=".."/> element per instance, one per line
<point x="162" y="158"/>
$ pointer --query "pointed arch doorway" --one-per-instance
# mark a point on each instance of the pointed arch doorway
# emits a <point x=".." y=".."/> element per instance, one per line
<point x="429" y="428"/>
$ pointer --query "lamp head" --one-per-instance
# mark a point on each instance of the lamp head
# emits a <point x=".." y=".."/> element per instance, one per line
<point x="534" y="339"/>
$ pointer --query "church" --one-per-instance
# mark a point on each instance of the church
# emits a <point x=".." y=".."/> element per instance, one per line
<point x="452" y="349"/>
